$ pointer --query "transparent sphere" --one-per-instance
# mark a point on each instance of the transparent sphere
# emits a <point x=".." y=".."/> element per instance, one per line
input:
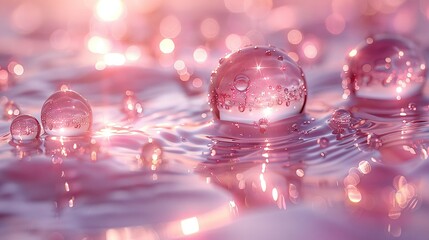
<point x="66" y="113"/>
<point x="11" y="110"/>
<point x="24" y="128"/>
<point x="255" y="84"/>
<point x="151" y="155"/>
<point x="384" y="68"/>
<point x="131" y="106"/>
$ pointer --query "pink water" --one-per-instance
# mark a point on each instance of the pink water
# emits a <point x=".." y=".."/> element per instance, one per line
<point x="305" y="177"/>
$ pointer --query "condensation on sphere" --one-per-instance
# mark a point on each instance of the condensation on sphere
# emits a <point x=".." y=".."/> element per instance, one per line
<point x="257" y="82"/>
<point x="340" y="119"/>
<point x="66" y="113"/>
<point x="384" y="68"/>
<point x="24" y="128"/>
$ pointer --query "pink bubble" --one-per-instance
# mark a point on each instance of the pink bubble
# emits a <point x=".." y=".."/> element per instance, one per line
<point x="255" y="83"/>
<point x="66" y="113"/>
<point x="24" y="128"/>
<point x="384" y="67"/>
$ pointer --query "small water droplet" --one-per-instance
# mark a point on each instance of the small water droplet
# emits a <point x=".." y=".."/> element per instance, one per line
<point x="323" y="142"/>
<point x="63" y="111"/>
<point x="341" y="117"/>
<point x="412" y="106"/>
<point x="241" y="82"/>
<point x="131" y="105"/>
<point x="11" y="110"/>
<point x="221" y="60"/>
<point x="241" y="107"/>
<point x="152" y="155"/>
<point x="263" y="124"/>
<point x="280" y="58"/>
<point x="374" y="141"/>
<point x="268" y="53"/>
<point x="24" y="128"/>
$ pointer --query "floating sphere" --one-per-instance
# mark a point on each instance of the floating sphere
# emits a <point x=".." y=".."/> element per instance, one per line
<point x="384" y="68"/>
<point x="11" y="110"/>
<point x="131" y="106"/>
<point x="66" y="113"/>
<point x="151" y="155"/>
<point x="24" y="128"/>
<point x="255" y="84"/>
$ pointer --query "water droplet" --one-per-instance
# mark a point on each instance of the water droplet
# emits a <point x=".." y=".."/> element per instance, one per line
<point x="263" y="124"/>
<point x="280" y="58"/>
<point x="151" y="155"/>
<point x="221" y="60"/>
<point x="389" y="68"/>
<point x="241" y="82"/>
<point x="24" y="128"/>
<point x="248" y="82"/>
<point x="268" y="53"/>
<point x="341" y="117"/>
<point x="11" y="110"/>
<point x="373" y="141"/>
<point x="63" y="111"/>
<point x="131" y="106"/>
<point x="241" y="108"/>
<point x="412" y="106"/>
<point x="340" y="120"/>
<point x="323" y="142"/>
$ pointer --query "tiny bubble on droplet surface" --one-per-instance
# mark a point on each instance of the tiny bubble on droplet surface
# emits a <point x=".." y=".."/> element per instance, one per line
<point x="256" y="84"/>
<point x="241" y="82"/>
<point x="323" y="142"/>
<point x="25" y="128"/>
<point x="63" y="111"/>
<point x="151" y="155"/>
<point x="386" y="68"/>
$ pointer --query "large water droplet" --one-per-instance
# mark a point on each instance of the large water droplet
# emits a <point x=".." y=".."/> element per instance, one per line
<point x="386" y="67"/>
<point x="66" y="113"/>
<point x="258" y="85"/>
<point x="151" y="155"/>
<point x="24" y="128"/>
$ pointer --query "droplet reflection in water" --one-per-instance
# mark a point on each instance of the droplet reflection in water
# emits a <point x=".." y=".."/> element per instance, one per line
<point x="384" y="67"/>
<point x="255" y="83"/>
<point x="151" y="155"/>
<point x="24" y="128"/>
<point x="66" y="113"/>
